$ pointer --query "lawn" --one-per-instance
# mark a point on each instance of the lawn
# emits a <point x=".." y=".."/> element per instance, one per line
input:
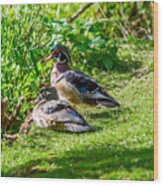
<point x="121" y="146"/>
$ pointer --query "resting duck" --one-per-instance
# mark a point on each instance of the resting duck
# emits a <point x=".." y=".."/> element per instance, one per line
<point x="74" y="86"/>
<point x="58" y="115"/>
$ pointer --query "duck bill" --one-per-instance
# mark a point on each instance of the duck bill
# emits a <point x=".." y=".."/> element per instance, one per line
<point x="69" y="116"/>
<point x="51" y="56"/>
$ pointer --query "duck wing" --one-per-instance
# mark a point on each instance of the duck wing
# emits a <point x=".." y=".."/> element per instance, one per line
<point x="88" y="89"/>
<point x="59" y="116"/>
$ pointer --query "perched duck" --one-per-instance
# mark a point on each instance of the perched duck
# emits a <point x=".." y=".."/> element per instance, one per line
<point x="74" y="86"/>
<point x="57" y="114"/>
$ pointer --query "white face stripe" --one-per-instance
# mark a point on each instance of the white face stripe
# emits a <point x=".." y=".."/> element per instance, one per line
<point x="68" y="59"/>
<point x="65" y="53"/>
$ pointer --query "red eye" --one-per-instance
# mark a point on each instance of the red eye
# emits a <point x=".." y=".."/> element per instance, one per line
<point x="57" y="50"/>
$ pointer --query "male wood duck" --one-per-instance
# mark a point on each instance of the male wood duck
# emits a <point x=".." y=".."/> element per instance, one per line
<point x="57" y="114"/>
<point x="74" y="86"/>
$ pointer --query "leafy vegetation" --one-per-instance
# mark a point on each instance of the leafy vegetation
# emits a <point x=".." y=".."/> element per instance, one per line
<point x="111" y="42"/>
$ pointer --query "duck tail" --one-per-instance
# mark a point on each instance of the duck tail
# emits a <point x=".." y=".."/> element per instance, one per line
<point x="108" y="103"/>
<point x="102" y="102"/>
<point x="76" y="128"/>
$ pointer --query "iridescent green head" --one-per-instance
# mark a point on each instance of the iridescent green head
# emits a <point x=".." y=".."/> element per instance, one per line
<point x="60" y="53"/>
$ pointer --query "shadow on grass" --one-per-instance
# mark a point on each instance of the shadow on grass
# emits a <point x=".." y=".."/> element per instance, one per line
<point x="126" y="66"/>
<point x="103" y="162"/>
<point x="110" y="113"/>
<point x="122" y="65"/>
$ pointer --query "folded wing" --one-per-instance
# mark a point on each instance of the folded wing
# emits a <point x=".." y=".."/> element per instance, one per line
<point x="88" y="89"/>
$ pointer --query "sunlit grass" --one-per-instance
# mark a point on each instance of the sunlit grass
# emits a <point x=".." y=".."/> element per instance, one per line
<point x="120" y="148"/>
<point x="119" y="58"/>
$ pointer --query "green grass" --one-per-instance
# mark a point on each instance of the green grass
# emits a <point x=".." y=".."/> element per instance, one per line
<point x="120" y="148"/>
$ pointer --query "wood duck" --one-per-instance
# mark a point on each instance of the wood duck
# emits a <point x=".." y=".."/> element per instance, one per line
<point x="57" y="114"/>
<point x="74" y="86"/>
<point x="61" y="54"/>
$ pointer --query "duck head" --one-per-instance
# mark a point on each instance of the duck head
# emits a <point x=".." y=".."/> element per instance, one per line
<point x="48" y="93"/>
<point x="60" y="53"/>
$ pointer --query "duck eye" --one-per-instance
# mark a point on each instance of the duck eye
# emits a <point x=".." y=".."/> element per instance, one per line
<point x="57" y="50"/>
<point x="45" y="93"/>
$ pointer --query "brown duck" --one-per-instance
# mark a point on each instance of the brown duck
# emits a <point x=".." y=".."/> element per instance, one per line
<point x="57" y="114"/>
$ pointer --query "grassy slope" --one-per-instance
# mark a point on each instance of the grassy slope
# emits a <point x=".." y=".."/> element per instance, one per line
<point x="122" y="146"/>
